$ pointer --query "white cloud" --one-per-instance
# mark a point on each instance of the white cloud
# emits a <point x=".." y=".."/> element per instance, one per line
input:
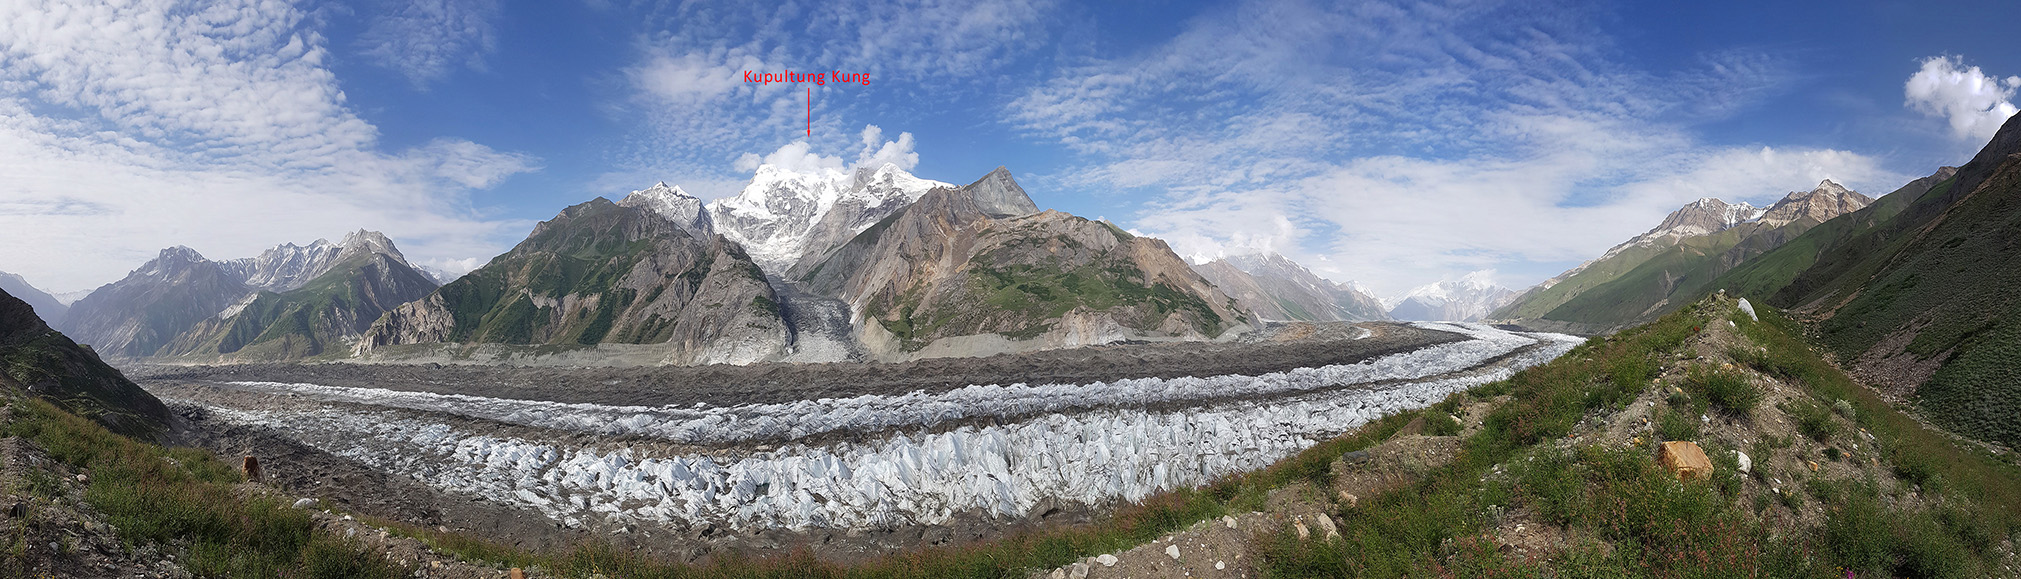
<point x="799" y="156"/>
<point x="131" y="127"/>
<point x="877" y="152"/>
<point x="687" y="82"/>
<point x="426" y="39"/>
<point x="1975" y="103"/>
<point x="1399" y="143"/>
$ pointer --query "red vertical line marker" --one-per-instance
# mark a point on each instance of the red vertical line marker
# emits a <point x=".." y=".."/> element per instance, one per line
<point x="810" y="112"/>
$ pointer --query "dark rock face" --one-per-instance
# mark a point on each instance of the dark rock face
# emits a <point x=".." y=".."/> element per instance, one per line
<point x="603" y="273"/>
<point x="138" y="315"/>
<point x="45" y="363"/>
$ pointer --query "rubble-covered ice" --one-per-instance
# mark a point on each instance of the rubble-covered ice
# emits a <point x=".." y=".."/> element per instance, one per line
<point x="792" y="420"/>
<point x="1099" y="452"/>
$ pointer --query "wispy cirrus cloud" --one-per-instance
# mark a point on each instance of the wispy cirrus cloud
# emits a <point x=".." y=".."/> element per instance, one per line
<point x="131" y="127"/>
<point x="425" y="40"/>
<point x="1402" y="143"/>
<point x="688" y="82"/>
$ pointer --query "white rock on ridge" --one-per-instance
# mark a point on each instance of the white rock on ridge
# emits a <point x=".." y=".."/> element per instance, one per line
<point x="917" y="476"/>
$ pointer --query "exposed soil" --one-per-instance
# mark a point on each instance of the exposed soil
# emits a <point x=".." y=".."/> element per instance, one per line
<point x="1281" y="347"/>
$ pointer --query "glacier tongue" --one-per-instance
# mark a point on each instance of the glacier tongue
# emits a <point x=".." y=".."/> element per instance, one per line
<point x="922" y="473"/>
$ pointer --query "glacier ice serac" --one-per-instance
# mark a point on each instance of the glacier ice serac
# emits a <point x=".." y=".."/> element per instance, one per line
<point x="909" y="463"/>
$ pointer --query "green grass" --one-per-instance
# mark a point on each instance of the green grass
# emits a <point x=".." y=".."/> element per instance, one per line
<point x="1653" y="525"/>
<point x="1728" y="389"/>
<point x="184" y="497"/>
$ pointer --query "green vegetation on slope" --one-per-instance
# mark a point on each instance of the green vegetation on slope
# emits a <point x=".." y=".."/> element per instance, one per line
<point x="1036" y="296"/>
<point x="1673" y="277"/>
<point x="1626" y="517"/>
<point x="1537" y="304"/>
<point x="183" y="500"/>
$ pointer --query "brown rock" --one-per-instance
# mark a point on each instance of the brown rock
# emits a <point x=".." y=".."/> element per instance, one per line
<point x="515" y="573"/>
<point x="1685" y="459"/>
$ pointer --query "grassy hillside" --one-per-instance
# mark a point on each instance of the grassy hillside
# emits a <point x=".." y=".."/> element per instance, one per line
<point x="1537" y="303"/>
<point x="1673" y="277"/>
<point x="1854" y="486"/>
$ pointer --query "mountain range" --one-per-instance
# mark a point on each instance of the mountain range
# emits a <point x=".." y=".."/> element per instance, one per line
<point x="1276" y="288"/>
<point x="289" y="302"/>
<point x="1670" y="265"/>
<point x="1911" y="291"/>
<point x="823" y="265"/>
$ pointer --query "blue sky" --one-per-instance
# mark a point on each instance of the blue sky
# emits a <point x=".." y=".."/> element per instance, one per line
<point x="1391" y="143"/>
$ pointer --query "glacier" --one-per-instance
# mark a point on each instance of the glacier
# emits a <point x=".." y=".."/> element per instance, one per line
<point x="924" y="462"/>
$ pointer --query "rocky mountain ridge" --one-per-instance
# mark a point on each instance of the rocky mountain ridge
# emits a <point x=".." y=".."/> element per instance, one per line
<point x="602" y="273"/>
<point x="1277" y="288"/>
<point x="977" y="269"/>
<point x="1658" y="270"/>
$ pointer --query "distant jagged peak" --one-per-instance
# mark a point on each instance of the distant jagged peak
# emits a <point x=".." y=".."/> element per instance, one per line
<point x="1000" y="196"/>
<point x="364" y="242"/>
<point x="172" y="259"/>
<point x="676" y="205"/>
<point x="1819" y="204"/>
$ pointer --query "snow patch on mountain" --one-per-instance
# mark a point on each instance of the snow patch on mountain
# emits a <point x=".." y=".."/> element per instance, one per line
<point x="775" y="217"/>
<point x="674" y="204"/>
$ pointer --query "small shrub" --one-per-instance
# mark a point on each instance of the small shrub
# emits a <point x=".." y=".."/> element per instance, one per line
<point x="1673" y="425"/>
<point x="1813" y="420"/>
<point x="1438" y="423"/>
<point x="1843" y="408"/>
<point x="1729" y="389"/>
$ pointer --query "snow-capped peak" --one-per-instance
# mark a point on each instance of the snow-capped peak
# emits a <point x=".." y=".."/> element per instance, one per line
<point x="1466" y="299"/>
<point x="776" y="216"/>
<point x="674" y="204"/>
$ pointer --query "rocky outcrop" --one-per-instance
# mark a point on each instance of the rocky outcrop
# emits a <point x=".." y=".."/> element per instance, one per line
<point x="45" y="363"/>
<point x="1818" y="205"/>
<point x="603" y="273"/>
<point x="139" y="314"/>
<point x="972" y="270"/>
